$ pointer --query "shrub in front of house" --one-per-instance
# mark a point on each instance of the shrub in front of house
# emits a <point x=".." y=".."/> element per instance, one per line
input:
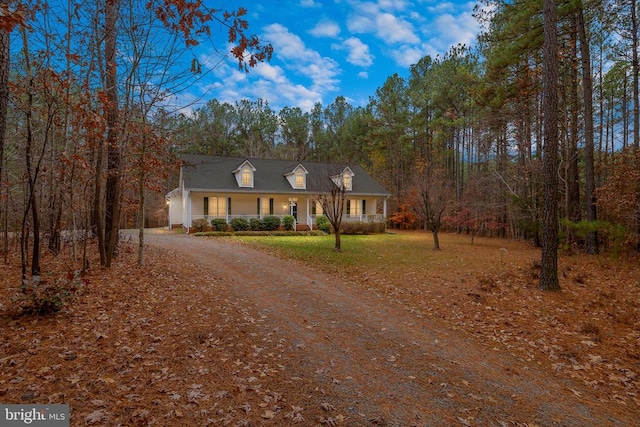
<point x="270" y="223"/>
<point x="288" y="221"/>
<point x="323" y="224"/>
<point x="362" y="228"/>
<point x="199" y="224"/>
<point x="255" y="224"/>
<point x="239" y="224"/>
<point x="219" y="224"/>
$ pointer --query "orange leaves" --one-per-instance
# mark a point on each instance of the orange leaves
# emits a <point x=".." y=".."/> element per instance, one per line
<point x="185" y="17"/>
<point x="191" y="19"/>
<point x="9" y="19"/>
<point x="248" y="50"/>
<point x="404" y="218"/>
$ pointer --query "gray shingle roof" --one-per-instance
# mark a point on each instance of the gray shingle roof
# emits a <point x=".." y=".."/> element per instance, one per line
<point x="214" y="173"/>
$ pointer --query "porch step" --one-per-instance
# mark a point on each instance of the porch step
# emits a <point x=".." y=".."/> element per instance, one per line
<point x="302" y="227"/>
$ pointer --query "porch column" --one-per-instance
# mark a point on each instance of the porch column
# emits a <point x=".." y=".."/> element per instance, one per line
<point x="227" y="204"/>
<point x="168" y="204"/>
<point x="384" y="208"/>
<point x="186" y="211"/>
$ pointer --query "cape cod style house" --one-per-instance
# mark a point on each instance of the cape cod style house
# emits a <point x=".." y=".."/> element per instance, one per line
<point x="231" y="187"/>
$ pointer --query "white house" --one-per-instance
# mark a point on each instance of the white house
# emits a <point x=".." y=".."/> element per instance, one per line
<point x="231" y="187"/>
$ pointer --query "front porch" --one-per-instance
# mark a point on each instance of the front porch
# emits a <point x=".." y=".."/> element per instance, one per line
<point x="305" y="209"/>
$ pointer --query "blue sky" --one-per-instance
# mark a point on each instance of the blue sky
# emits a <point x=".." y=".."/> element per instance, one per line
<point x="323" y="49"/>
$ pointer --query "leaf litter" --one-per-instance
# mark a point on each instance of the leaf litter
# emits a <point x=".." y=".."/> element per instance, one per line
<point x="167" y="345"/>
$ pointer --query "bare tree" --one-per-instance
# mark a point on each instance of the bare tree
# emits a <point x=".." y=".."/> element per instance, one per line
<point x="432" y="193"/>
<point x="5" y="31"/>
<point x="332" y="197"/>
<point x="38" y="107"/>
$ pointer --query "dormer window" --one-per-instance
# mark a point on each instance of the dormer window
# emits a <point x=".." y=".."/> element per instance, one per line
<point x="346" y="181"/>
<point x="300" y="179"/>
<point x="297" y="178"/>
<point x="244" y="175"/>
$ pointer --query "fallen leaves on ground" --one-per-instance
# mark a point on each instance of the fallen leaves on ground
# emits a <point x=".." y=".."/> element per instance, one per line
<point x="158" y="345"/>
<point x="166" y="345"/>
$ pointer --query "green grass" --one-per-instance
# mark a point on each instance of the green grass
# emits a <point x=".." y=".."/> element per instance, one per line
<point x="400" y="253"/>
<point x="316" y="248"/>
<point x="357" y="250"/>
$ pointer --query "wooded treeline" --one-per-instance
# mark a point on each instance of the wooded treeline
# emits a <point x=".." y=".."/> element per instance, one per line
<point x="88" y="137"/>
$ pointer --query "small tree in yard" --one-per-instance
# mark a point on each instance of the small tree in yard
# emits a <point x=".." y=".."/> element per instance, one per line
<point x="332" y="198"/>
<point x="432" y="193"/>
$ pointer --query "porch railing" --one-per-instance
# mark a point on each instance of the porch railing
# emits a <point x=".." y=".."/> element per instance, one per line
<point x="311" y="219"/>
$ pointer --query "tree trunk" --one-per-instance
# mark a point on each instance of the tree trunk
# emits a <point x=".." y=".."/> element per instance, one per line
<point x="112" y="202"/>
<point x="549" y="270"/>
<point x="5" y="56"/>
<point x="590" y="180"/>
<point x="142" y="203"/>
<point x="96" y="214"/>
<point x="635" y="66"/>
<point x="35" y="255"/>
<point x="337" y="247"/>
<point x="436" y="241"/>
<point x="55" y="218"/>
<point x="31" y="175"/>
<point x="572" y="177"/>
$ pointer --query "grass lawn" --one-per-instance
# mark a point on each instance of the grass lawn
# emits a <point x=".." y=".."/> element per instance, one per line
<point x="400" y="251"/>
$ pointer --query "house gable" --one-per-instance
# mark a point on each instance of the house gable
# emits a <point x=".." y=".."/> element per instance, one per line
<point x="245" y="175"/>
<point x="297" y="178"/>
<point x="344" y="179"/>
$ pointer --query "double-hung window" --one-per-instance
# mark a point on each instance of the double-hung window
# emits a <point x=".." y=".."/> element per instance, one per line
<point x="246" y="178"/>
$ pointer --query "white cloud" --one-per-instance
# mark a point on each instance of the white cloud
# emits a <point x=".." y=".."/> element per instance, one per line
<point x="368" y="18"/>
<point x="270" y="72"/>
<point x="407" y="55"/>
<point x="441" y="7"/>
<point x="325" y="28"/>
<point x="310" y="3"/>
<point x="460" y="29"/>
<point x="288" y="45"/>
<point x="290" y="49"/>
<point x="323" y="76"/>
<point x="363" y="75"/>
<point x="358" y="52"/>
<point x="394" y="30"/>
<point x="360" y="24"/>
<point x="278" y="81"/>
<point x="265" y="81"/>
<point x="392" y="4"/>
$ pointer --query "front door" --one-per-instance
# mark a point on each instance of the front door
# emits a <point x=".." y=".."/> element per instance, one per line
<point x="294" y="210"/>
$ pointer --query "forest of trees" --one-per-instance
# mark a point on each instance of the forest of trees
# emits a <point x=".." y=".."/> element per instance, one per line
<point x="88" y="144"/>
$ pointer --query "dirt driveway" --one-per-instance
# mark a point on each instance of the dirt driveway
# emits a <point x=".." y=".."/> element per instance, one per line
<point x="364" y="361"/>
